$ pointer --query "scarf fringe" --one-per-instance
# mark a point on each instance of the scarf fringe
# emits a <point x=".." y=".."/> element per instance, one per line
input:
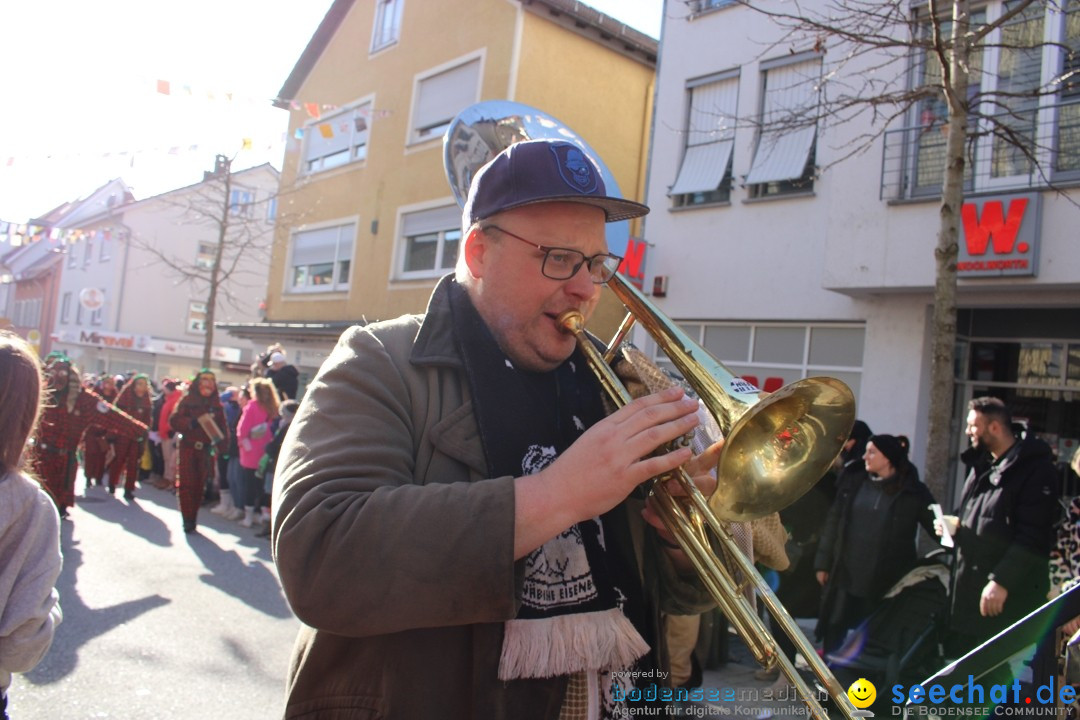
<point x="564" y="644"/>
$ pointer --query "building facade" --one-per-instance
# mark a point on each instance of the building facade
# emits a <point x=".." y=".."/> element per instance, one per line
<point x="788" y="255"/>
<point x="133" y="293"/>
<point x="368" y="222"/>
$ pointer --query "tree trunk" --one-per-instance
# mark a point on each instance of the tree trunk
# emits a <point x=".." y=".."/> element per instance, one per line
<point x="215" y="271"/>
<point x="943" y="342"/>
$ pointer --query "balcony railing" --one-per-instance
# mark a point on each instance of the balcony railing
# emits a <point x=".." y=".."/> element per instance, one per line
<point x="913" y="158"/>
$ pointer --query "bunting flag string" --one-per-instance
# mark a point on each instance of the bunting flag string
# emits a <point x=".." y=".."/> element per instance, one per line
<point x="132" y="155"/>
<point x="15" y="235"/>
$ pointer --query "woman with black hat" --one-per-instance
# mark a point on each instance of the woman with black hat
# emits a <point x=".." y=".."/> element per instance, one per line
<point x="869" y="540"/>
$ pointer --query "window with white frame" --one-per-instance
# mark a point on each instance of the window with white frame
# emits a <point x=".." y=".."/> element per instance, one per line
<point x="1067" y="147"/>
<point x="71" y="261"/>
<point x="1027" y="76"/>
<point x="387" y="28"/>
<point x="786" y="148"/>
<point x="79" y="313"/>
<point x="241" y="201"/>
<point x="196" y="317"/>
<point x="321" y="259"/>
<point x="429" y="241"/>
<point x="338" y="139"/>
<point x="440" y="96"/>
<point x="705" y="174"/>
<point x="65" y="307"/>
<point x="205" y="254"/>
<point x="271" y="208"/>
<point x="88" y="250"/>
<point x="105" y="239"/>
<point x="95" y="316"/>
<point x="771" y="355"/>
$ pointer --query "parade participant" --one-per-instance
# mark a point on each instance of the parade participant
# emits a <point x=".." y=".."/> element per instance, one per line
<point x="199" y="421"/>
<point x="171" y="394"/>
<point x="96" y="444"/>
<point x="254" y="432"/>
<point x="70" y="410"/>
<point x="29" y="527"/>
<point x="453" y="509"/>
<point x="134" y="399"/>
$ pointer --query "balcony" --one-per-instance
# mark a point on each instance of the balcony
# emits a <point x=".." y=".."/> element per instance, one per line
<point x="913" y="158"/>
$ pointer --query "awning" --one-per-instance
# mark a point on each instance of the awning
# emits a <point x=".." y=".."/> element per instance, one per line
<point x="703" y="168"/>
<point x="781" y="155"/>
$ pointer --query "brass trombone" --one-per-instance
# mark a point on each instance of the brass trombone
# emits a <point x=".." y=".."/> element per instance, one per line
<point x="777" y="446"/>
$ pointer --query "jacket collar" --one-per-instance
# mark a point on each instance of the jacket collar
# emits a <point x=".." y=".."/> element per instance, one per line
<point x="435" y="344"/>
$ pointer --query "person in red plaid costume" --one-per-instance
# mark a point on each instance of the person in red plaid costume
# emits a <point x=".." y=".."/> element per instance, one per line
<point x="69" y="410"/>
<point x="200" y="421"/>
<point x="95" y="443"/>
<point x="134" y="399"/>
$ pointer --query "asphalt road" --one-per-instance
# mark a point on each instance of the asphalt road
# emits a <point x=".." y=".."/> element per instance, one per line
<point x="159" y="624"/>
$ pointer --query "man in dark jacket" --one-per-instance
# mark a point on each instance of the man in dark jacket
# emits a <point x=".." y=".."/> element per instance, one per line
<point x="1004" y="531"/>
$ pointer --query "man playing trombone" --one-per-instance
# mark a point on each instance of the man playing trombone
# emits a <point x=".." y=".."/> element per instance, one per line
<point x="457" y="524"/>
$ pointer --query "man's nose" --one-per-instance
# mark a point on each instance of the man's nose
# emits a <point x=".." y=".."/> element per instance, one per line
<point x="581" y="284"/>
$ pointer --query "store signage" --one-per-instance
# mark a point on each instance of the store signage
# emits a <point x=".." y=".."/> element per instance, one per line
<point x="633" y="263"/>
<point x="146" y="344"/>
<point x="91" y="298"/>
<point x="1000" y="236"/>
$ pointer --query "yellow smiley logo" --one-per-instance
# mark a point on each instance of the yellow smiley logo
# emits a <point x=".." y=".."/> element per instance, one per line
<point x="862" y="693"/>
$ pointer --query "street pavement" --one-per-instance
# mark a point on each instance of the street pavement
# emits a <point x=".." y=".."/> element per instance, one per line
<point x="162" y="625"/>
<point x="159" y="624"/>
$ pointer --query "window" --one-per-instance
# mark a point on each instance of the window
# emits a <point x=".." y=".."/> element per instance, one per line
<point x="771" y="355"/>
<point x="784" y="159"/>
<point x="88" y="253"/>
<point x="1019" y="75"/>
<point x="271" y="209"/>
<point x="241" y="202"/>
<point x="196" y="317"/>
<point x="106" y="246"/>
<point x="65" y="308"/>
<point x="337" y="139"/>
<point x="78" y="313"/>
<point x="204" y="258"/>
<point x="387" y="27"/>
<point x="71" y="261"/>
<point x="705" y="174"/>
<point x="430" y="240"/>
<point x="440" y="97"/>
<point x="95" y="316"/>
<point x="1067" y="157"/>
<point x="934" y="113"/>
<point x="322" y="259"/>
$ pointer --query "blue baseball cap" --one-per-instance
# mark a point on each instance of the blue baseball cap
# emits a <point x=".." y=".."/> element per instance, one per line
<point x="539" y="171"/>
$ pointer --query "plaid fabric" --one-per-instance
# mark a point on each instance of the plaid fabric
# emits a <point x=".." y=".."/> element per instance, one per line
<point x="576" y="702"/>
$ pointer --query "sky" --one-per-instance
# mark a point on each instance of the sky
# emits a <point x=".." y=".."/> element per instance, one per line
<point x="81" y="101"/>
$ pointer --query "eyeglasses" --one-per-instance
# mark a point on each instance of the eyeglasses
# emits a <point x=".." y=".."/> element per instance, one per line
<point x="563" y="263"/>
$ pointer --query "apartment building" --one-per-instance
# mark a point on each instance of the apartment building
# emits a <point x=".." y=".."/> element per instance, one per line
<point x="367" y="220"/>
<point x="789" y="256"/>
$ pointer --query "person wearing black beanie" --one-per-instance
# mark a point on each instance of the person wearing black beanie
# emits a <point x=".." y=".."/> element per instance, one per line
<point x="869" y="540"/>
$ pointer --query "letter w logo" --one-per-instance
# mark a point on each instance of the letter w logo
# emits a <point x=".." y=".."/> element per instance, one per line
<point x="1003" y="230"/>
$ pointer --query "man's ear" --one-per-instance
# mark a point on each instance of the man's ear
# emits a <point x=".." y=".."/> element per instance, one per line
<point x="475" y="251"/>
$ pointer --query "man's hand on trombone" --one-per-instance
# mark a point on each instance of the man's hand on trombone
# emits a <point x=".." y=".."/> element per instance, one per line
<point x="701" y="469"/>
<point x="603" y="466"/>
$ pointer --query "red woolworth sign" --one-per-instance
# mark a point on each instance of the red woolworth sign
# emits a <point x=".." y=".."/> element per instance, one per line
<point x="1000" y="236"/>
